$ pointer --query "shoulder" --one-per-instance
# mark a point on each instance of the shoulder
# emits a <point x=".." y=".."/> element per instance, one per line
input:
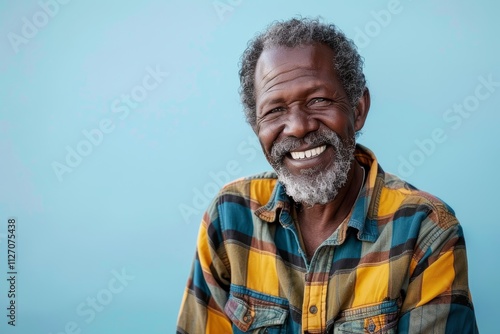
<point x="256" y="188"/>
<point x="245" y="194"/>
<point x="234" y="206"/>
<point x="404" y="200"/>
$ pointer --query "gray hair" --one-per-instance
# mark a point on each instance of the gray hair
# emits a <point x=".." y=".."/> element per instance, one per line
<point x="295" y="32"/>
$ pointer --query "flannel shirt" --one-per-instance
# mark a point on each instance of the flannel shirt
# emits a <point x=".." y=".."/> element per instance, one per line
<point x="396" y="264"/>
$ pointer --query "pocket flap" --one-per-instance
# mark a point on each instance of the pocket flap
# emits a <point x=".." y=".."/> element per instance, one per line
<point x="376" y="318"/>
<point x="248" y="312"/>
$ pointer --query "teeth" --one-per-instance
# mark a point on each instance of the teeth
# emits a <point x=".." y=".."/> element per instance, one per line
<point x="309" y="153"/>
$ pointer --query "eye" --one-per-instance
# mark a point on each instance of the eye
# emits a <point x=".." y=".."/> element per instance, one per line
<point x="319" y="102"/>
<point x="275" y="110"/>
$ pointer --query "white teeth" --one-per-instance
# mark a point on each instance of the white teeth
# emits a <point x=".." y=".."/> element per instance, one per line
<point x="309" y="153"/>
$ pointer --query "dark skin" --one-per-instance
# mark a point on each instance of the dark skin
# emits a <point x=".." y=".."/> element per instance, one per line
<point x="298" y="91"/>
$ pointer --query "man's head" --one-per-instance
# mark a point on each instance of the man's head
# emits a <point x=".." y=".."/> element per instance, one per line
<point x="305" y="99"/>
<point x="295" y="32"/>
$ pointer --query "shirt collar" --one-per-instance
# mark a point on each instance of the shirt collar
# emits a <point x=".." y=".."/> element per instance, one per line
<point x="364" y="207"/>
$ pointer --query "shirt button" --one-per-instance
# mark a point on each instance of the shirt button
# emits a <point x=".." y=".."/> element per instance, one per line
<point x="247" y="318"/>
<point x="313" y="309"/>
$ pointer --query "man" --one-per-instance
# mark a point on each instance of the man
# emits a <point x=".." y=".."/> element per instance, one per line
<point x="329" y="243"/>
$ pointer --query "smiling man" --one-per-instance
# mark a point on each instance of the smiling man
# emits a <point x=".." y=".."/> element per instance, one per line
<point x="328" y="242"/>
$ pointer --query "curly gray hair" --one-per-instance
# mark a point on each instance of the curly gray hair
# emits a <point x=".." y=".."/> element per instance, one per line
<point x="302" y="31"/>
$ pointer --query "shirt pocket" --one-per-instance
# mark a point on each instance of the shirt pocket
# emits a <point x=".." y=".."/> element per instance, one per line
<point x="379" y="318"/>
<point x="256" y="313"/>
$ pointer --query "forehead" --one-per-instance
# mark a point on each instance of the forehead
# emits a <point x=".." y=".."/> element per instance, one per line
<point x="283" y="72"/>
<point x="278" y="60"/>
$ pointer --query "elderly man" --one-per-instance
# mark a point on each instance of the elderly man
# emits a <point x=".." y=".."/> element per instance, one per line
<point x="329" y="242"/>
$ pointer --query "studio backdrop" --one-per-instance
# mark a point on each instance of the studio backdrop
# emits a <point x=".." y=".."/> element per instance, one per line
<point x="120" y="120"/>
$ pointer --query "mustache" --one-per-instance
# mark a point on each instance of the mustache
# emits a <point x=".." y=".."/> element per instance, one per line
<point x="317" y="138"/>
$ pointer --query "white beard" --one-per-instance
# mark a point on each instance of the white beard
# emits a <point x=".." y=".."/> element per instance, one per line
<point x="314" y="186"/>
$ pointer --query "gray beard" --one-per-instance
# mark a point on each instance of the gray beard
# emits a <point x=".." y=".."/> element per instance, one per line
<point x="314" y="186"/>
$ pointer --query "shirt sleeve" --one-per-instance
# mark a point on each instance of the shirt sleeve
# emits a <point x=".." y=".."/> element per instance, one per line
<point x="202" y="308"/>
<point x="438" y="298"/>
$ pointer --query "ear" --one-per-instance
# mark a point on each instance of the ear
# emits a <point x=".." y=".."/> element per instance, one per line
<point x="361" y="111"/>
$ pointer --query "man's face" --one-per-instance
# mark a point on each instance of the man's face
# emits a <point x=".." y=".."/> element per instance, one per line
<point x="305" y="122"/>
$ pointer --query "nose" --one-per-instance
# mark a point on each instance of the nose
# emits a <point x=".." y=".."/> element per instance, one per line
<point x="299" y="123"/>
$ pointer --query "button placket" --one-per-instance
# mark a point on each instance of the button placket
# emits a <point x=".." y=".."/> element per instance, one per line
<point x="315" y="294"/>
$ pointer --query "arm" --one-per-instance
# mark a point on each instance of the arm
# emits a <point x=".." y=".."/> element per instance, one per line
<point x="207" y="288"/>
<point x="438" y="298"/>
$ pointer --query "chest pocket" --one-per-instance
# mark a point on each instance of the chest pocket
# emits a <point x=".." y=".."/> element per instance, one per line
<point x="252" y="312"/>
<point x="373" y="319"/>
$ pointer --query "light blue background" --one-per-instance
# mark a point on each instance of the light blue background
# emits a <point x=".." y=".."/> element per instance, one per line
<point x="134" y="203"/>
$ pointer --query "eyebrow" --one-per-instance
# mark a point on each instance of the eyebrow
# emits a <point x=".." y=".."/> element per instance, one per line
<point x="278" y="100"/>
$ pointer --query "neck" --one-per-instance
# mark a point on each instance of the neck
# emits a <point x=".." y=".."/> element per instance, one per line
<point x="318" y="222"/>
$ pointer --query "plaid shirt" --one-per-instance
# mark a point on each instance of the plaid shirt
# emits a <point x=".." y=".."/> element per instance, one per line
<point x="396" y="264"/>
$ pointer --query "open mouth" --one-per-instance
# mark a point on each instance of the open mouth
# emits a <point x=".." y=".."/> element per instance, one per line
<point x="299" y="155"/>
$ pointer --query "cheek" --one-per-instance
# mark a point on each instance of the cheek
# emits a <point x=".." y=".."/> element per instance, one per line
<point x="266" y="139"/>
<point x="342" y="126"/>
<point x="267" y="136"/>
